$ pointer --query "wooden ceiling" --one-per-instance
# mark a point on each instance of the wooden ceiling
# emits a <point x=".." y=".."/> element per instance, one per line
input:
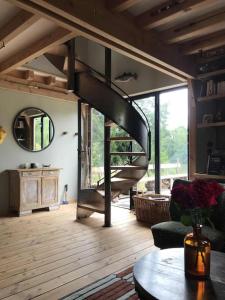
<point x="194" y="26"/>
<point x="165" y="35"/>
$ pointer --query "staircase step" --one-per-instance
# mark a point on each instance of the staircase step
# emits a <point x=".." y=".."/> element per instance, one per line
<point x="128" y="167"/>
<point x="129" y="153"/>
<point x="114" y="193"/>
<point x="110" y="124"/>
<point x="91" y="207"/>
<point x="121" y="138"/>
<point x="118" y="179"/>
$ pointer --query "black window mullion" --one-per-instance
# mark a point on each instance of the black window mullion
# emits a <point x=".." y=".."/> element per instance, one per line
<point x="157" y="144"/>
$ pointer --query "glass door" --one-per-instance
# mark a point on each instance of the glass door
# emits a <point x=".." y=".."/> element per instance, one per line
<point x="147" y="104"/>
<point x="173" y="137"/>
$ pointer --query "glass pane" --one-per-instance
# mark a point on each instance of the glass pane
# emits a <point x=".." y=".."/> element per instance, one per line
<point x="37" y="134"/>
<point x="147" y="183"/>
<point x="173" y="137"/>
<point x="46" y="131"/>
<point x="97" y="147"/>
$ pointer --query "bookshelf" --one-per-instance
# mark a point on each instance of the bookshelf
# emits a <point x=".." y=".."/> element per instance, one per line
<point x="208" y="153"/>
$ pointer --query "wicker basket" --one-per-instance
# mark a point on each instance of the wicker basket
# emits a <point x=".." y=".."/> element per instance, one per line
<point x="151" y="208"/>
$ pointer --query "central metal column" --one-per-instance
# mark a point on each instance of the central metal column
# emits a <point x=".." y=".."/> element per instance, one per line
<point x="107" y="158"/>
<point x="79" y="150"/>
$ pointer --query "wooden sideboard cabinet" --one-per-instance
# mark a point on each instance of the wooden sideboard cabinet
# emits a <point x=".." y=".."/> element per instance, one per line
<point x="32" y="189"/>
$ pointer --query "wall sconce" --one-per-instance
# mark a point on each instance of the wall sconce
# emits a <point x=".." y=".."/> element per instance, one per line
<point x="3" y="135"/>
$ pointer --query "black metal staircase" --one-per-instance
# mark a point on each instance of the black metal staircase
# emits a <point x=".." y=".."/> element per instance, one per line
<point x="119" y="110"/>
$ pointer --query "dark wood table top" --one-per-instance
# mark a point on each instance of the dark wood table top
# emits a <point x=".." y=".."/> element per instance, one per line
<point x="160" y="275"/>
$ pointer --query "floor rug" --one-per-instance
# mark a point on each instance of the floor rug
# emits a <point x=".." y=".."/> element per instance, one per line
<point x="123" y="202"/>
<point x="113" y="287"/>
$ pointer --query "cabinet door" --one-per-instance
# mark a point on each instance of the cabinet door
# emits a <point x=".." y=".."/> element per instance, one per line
<point x="49" y="190"/>
<point x="30" y="190"/>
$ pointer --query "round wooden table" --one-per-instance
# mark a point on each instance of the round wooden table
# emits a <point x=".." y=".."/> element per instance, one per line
<point x="160" y="275"/>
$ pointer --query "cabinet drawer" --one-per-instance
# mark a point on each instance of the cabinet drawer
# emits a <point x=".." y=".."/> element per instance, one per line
<point x="31" y="173"/>
<point x="50" y="173"/>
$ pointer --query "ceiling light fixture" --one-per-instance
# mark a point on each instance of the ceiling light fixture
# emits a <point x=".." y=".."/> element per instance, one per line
<point x="126" y="77"/>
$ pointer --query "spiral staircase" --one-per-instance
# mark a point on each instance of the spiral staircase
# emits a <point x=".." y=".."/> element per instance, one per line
<point x="91" y="87"/>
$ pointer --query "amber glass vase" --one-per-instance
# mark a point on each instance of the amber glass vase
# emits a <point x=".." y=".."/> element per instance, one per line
<point x="197" y="254"/>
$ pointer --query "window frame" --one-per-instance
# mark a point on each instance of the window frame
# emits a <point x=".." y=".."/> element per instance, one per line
<point x="156" y="96"/>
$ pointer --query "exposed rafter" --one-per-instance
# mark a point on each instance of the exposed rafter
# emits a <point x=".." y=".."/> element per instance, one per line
<point x="210" y="42"/>
<point x="92" y="20"/>
<point x="28" y="74"/>
<point x="169" y="11"/>
<point x="33" y="76"/>
<point x="18" y="84"/>
<point x="121" y="5"/>
<point x="199" y="28"/>
<point x="57" y="37"/>
<point x="17" y="25"/>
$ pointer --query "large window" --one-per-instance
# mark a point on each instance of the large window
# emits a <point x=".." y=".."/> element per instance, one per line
<point x="97" y="146"/>
<point x="173" y="137"/>
<point x="148" y="106"/>
<point x="167" y="113"/>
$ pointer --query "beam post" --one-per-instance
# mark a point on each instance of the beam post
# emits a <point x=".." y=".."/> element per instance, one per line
<point x="107" y="157"/>
<point x="71" y="65"/>
<point x="79" y="151"/>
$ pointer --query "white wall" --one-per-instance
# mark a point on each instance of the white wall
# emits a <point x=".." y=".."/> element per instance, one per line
<point x="62" y="153"/>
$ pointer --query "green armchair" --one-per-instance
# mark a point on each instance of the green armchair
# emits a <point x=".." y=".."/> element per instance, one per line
<point x="171" y="234"/>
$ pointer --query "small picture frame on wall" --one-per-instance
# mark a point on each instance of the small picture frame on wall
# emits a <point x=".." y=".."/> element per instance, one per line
<point x="207" y="118"/>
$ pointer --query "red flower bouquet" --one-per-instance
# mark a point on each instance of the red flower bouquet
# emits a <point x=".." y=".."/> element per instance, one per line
<point x="196" y="200"/>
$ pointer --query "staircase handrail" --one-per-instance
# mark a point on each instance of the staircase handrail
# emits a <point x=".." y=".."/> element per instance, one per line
<point x="147" y="125"/>
<point x="146" y="122"/>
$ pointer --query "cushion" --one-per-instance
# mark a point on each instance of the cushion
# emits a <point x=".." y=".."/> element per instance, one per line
<point x="171" y="235"/>
<point x="218" y="217"/>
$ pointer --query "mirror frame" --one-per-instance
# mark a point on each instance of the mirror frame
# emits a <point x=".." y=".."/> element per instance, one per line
<point x="14" y="132"/>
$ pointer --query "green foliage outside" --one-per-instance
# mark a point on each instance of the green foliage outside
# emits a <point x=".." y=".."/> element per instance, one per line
<point x="37" y="132"/>
<point x="173" y="142"/>
<point x="98" y="142"/>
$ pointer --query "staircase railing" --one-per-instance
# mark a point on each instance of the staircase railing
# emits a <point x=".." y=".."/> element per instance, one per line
<point x="143" y="116"/>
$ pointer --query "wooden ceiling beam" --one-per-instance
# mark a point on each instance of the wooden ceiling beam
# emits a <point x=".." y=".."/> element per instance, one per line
<point x="92" y="20"/>
<point x="17" y="25"/>
<point x="33" y="77"/>
<point x="57" y="37"/>
<point x="121" y="5"/>
<point x="211" y="42"/>
<point x="210" y="24"/>
<point x="28" y="75"/>
<point x="22" y="85"/>
<point x="168" y="12"/>
<point x="50" y="80"/>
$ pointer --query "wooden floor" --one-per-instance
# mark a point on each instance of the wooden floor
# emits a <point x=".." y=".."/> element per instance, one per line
<point x="48" y="255"/>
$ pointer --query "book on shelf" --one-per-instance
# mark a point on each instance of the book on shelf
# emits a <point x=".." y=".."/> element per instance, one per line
<point x="216" y="163"/>
<point x="210" y="88"/>
<point x="213" y="88"/>
<point x="221" y="87"/>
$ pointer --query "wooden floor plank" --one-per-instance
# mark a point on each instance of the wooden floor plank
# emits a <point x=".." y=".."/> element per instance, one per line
<point x="63" y="255"/>
<point x="78" y="254"/>
<point x="55" y="254"/>
<point x="79" y="259"/>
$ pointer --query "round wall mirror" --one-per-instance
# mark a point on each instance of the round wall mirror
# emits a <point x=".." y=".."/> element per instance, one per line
<point x="33" y="129"/>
